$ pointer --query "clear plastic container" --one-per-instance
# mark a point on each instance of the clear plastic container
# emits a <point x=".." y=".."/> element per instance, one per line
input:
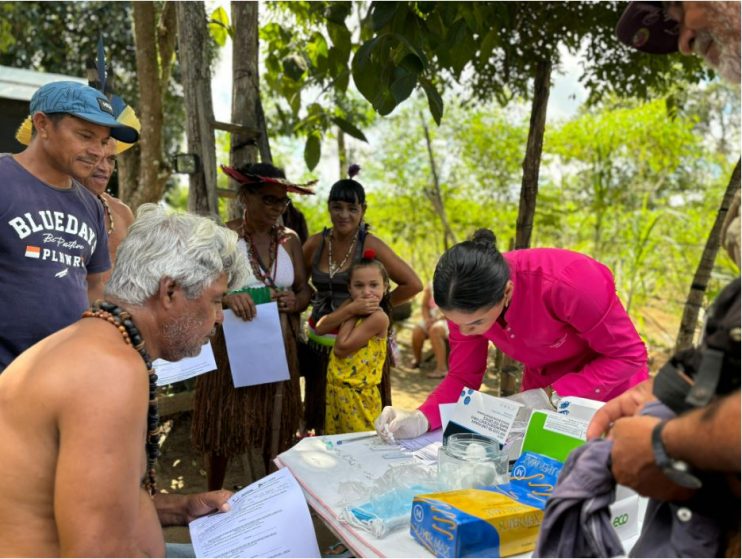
<point x="470" y="460"/>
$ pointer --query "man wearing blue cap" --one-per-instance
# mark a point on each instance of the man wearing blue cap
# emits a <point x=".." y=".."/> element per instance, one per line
<point x="53" y="240"/>
<point x="688" y="462"/>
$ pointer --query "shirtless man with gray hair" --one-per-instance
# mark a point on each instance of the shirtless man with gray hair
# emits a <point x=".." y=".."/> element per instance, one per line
<point x="78" y="417"/>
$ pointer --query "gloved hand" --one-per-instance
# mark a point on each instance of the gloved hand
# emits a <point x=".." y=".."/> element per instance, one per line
<point x="400" y="424"/>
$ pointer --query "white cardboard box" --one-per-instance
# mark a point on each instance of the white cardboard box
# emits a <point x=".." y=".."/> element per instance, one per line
<point x="625" y="513"/>
<point x="581" y="408"/>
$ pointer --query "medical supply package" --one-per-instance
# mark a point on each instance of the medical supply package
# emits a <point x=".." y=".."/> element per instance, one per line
<point x="496" y="521"/>
<point x="384" y="505"/>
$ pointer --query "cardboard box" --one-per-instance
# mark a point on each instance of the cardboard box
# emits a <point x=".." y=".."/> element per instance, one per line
<point x="581" y="408"/>
<point x="474" y="523"/>
<point x="625" y="513"/>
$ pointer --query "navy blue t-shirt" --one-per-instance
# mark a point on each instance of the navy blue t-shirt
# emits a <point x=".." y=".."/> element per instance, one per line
<point x="50" y="240"/>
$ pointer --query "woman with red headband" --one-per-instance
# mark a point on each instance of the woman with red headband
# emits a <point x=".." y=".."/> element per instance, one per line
<point x="328" y="257"/>
<point x="229" y="421"/>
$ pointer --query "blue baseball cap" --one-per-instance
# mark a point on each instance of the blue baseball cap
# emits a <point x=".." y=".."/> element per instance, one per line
<point x="84" y="102"/>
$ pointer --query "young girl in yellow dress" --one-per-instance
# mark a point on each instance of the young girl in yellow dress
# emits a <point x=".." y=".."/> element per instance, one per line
<point x="355" y="367"/>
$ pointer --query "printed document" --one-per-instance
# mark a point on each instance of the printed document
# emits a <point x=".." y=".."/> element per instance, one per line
<point x="269" y="518"/>
<point x="169" y="372"/>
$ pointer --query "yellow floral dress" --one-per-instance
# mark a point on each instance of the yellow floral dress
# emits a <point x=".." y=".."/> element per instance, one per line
<point x="353" y="396"/>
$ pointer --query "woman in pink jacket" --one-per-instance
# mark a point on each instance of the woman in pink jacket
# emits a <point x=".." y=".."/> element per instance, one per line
<point x="556" y="311"/>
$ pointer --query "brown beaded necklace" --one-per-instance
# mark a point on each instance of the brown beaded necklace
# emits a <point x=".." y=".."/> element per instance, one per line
<point x="107" y="209"/>
<point x="122" y="320"/>
<point x="265" y="274"/>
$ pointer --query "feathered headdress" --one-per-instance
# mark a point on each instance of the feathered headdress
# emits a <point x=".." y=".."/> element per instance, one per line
<point x="123" y="112"/>
<point x="249" y="178"/>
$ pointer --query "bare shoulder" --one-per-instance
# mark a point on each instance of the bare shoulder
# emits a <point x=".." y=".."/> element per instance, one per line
<point x="311" y="246"/>
<point x="121" y="210"/>
<point x="374" y="242"/>
<point x="291" y="236"/>
<point x="312" y="242"/>
<point x="91" y="356"/>
<point x="379" y="319"/>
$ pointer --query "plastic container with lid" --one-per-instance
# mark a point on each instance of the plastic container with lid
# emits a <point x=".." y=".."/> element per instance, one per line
<point x="469" y="460"/>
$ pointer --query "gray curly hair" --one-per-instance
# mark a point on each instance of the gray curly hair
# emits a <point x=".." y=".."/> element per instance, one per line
<point x="192" y="250"/>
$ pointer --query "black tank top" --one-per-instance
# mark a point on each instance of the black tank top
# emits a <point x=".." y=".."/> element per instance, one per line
<point x="331" y="292"/>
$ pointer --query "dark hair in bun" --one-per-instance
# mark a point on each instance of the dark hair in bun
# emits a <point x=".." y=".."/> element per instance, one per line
<point x="349" y="190"/>
<point x="471" y="275"/>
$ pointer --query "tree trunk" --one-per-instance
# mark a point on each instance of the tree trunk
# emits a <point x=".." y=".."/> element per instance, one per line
<point x="703" y="272"/>
<point x="264" y="144"/>
<point x="434" y="194"/>
<point x="342" y="154"/>
<point x="143" y="169"/>
<point x="532" y="160"/>
<point x="246" y="108"/>
<point x="195" y="65"/>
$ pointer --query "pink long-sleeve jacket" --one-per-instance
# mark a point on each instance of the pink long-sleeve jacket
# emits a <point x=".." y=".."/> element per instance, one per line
<point x="565" y="323"/>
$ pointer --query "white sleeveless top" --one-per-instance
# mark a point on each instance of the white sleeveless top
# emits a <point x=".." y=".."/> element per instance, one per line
<point x="284" y="268"/>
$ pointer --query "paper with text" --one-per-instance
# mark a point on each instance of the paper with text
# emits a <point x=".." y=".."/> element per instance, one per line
<point x="564" y="425"/>
<point x="484" y="414"/>
<point x="269" y="518"/>
<point x="255" y="347"/>
<point x="422" y="441"/>
<point x="169" y="372"/>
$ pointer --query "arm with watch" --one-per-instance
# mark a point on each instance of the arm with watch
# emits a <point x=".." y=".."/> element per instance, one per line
<point x="660" y="459"/>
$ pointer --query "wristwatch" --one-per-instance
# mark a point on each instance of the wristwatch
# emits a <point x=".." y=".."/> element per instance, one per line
<point x="676" y="471"/>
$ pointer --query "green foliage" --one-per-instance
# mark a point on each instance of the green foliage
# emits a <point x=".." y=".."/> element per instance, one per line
<point x="493" y="48"/>
<point x="307" y="48"/>
<point x="490" y="48"/>
<point x="219" y="27"/>
<point x="654" y="182"/>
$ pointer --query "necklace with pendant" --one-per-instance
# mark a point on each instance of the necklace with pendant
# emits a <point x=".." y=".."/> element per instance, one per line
<point x="332" y="267"/>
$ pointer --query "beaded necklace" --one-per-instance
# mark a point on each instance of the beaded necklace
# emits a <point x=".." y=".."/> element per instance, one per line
<point x="122" y="320"/>
<point x="260" y="270"/>
<point x="332" y="267"/>
<point x="107" y="209"/>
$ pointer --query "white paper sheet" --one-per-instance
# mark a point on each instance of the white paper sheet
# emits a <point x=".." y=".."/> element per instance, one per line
<point x="255" y="348"/>
<point x="269" y="518"/>
<point x="571" y="426"/>
<point x="446" y="413"/>
<point x="169" y="372"/>
<point x="422" y="441"/>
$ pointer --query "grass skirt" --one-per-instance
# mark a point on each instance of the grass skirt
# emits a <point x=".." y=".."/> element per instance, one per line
<point x="228" y="421"/>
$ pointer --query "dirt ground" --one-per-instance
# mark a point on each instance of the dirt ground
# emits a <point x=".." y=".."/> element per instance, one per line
<point x="181" y="470"/>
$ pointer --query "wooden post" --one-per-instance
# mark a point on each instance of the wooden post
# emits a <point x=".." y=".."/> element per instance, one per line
<point x="247" y="112"/>
<point x="532" y="160"/>
<point x="195" y="65"/>
<point x="434" y="194"/>
<point x="703" y="273"/>
<point x="245" y="91"/>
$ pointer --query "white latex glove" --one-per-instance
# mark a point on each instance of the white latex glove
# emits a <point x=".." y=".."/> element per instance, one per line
<point x="400" y="424"/>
